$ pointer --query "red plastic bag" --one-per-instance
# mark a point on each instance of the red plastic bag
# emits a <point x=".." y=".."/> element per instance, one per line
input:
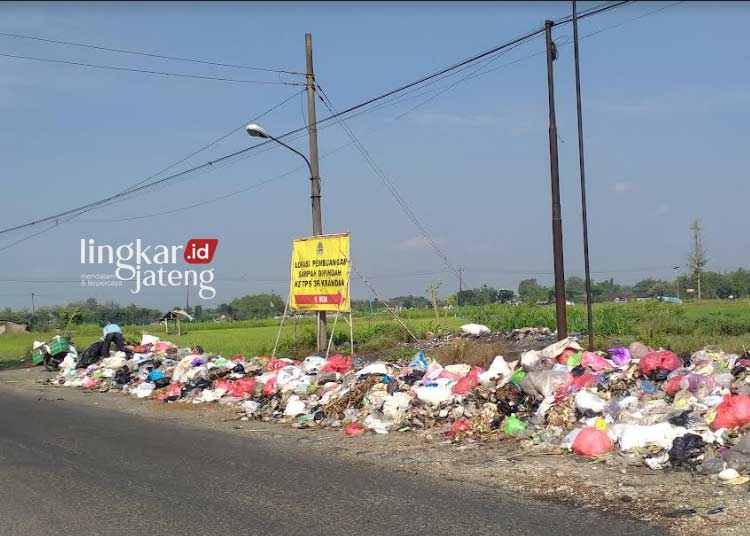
<point x="734" y="411"/>
<point x="459" y="427"/>
<point x="337" y="363"/>
<point x="563" y="357"/>
<point x="468" y="382"/>
<point x="354" y="429"/>
<point x="673" y="385"/>
<point x="450" y="375"/>
<point x="595" y="362"/>
<point x="275" y="364"/>
<point x="224" y="384"/>
<point x="576" y="384"/>
<point x="591" y="442"/>
<point x="243" y="387"/>
<point x="663" y="359"/>
<point x="269" y="387"/>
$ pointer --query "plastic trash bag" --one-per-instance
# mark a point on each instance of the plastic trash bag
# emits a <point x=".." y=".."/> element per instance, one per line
<point x="461" y="426"/>
<point x="337" y="363"/>
<point x="287" y="375"/>
<point x="591" y="442"/>
<point x="636" y="436"/>
<point x="419" y="361"/>
<point x="513" y="426"/>
<point x="475" y="329"/>
<point x="468" y="382"/>
<point x="595" y="362"/>
<point x="499" y="367"/>
<point x="294" y="407"/>
<point x="585" y="401"/>
<point x="376" y="425"/>
<point x="434" y="395"/>
<point x="378" y="368"/>
<point x="243" y="387"/>
<point x="654" y="361"/>
<point x="543" y="383"/>
<point x="144" y="390"/>
<point x="312" y="364"/>
<point x="619" y="356"/>
<point x="269" y="387"/>
<point x="734" y="411"/>
<point x="395" y="406"/>
<point x="638" y="350"/>
<point x="250" y="407"/>
<point x="354" y="429"/>
<point x="685" y="450"/>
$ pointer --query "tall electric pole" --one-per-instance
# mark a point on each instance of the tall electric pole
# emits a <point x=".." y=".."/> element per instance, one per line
<point x="322" y="338"/>
<point x="587" y="269"/>
<point x="33" y="308"/>
<point x="557" y="241"/>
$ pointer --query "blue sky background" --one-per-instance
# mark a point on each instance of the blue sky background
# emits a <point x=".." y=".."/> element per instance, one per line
<point x="665" y="102"/>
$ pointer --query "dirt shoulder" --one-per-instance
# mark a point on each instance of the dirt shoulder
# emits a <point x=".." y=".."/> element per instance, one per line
<point x="609" y="485"/>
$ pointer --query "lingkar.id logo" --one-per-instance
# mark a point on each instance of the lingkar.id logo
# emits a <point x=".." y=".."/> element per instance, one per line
<point x="134" y="262"/>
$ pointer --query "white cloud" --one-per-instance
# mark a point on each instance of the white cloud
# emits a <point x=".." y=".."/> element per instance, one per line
<point x="661" y="210"/>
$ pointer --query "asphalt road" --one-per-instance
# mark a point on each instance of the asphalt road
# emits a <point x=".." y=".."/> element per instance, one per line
<point x="74" y="469"/>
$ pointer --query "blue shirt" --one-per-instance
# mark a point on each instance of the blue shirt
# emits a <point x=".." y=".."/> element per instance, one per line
<point x="111" y="328"/>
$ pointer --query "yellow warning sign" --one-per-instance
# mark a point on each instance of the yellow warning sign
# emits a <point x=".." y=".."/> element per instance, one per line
<point x="320" y="274"/>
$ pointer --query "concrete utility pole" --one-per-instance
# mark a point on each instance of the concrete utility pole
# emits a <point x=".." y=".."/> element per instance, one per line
<point x="33" y="307"/>
<point x="589" y="313"/>
<point x="557" y="241"/>
<point x="322" y="339"/>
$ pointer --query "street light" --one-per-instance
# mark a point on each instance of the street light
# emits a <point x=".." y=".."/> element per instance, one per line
<point x="256" y="131"/>
<point x="677" y="280"/>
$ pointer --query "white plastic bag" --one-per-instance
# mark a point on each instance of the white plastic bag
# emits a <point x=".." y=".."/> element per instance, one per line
<point x="294" y="406"/>
<point x="312" y="364"/>
<point x="635" y="436"/>
<point x="475" y="329"/>
<point x="586" y="400"/>
<point x="498" y="367"/>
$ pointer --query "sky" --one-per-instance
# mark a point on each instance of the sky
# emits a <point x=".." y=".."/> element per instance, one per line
<point x="665" y="108"/>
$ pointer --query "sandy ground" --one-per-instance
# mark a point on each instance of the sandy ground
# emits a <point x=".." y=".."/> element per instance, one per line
<point x="608" y="485"/>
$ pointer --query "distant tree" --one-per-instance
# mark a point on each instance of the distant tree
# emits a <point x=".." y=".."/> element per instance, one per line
<point x="529" y="291"/>
<point x="697" y="259"/>
<point x="575" y="289"/>
<point x="505" y="296"/>
<point x="257" y="306"/>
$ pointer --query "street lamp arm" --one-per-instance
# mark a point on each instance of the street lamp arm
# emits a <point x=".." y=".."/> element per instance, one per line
<point x="277" y="140"/>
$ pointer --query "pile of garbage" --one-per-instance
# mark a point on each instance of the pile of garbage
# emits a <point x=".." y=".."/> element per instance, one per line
<point x="644" y="405"/>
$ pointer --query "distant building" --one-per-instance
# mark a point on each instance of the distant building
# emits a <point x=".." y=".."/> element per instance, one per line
<point x="10" y="326"/>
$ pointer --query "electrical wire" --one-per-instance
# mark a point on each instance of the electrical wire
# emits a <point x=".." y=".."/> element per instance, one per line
<point x="389" y="185"/>
<point x="217" y="140"/>
<point x="148" y="71"/>
<point x="146" y="54"/>
<point x="95" y="204"/>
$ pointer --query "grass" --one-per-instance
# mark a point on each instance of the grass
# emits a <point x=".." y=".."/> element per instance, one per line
<point x="683" y="328"/>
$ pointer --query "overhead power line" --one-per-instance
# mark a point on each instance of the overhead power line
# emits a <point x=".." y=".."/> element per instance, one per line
<point x="148" y="71"/>
<point x="101" y="202"/>
<point x="146" y="54"/>
<point x="389" y="185"/>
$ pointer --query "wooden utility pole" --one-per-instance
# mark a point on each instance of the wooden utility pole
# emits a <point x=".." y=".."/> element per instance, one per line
<point x="557" y="241"/>
<point x="322" y="338"/>
<point x="587" y="269"/>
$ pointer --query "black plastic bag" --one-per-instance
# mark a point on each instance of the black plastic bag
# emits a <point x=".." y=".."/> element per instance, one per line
<point x="685" y="450"/>
<point x="91" y="355"/>
<point x="659" y="375"/>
